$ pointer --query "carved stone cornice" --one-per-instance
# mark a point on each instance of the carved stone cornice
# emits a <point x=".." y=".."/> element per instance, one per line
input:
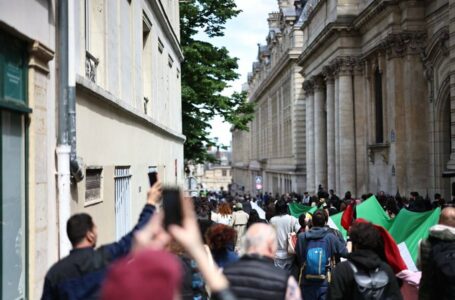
<point x="344" y="66"/>
<point x="359" y="67"/>
<point x="328" y="73"/>
<point x="318" y="83"/>
<point x="404" y="43"/>
<point x="308" y="86"/>
<point x="40" y="56"/>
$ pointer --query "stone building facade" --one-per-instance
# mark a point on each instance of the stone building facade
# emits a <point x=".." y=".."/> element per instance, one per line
<point x="126" y="67"/>
<point x="379" y="95"/>
<point x="273" y="149"/>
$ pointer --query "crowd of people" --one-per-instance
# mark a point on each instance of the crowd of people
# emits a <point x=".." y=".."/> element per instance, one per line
<point x="244" y="247"/>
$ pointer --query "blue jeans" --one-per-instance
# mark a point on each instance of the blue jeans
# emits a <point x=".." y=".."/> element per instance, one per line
<point x="315" y="292"/>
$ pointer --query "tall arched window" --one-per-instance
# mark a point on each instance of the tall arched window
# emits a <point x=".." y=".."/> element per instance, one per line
<point x="378" y="106"/>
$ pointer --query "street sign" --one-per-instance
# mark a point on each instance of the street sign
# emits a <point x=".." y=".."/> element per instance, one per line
<point x="258" y="182"/>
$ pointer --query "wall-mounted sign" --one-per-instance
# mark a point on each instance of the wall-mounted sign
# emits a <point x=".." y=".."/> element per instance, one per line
<point x="258" y="182"/>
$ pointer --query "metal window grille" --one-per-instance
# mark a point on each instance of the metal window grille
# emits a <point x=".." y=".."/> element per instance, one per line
<point x="122" y="201"/>
<point x="93" y="184"/>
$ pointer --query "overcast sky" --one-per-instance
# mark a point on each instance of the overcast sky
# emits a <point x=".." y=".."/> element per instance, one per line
<point x="241" y="37"/>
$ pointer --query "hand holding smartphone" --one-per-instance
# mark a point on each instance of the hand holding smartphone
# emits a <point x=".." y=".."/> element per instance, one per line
<point x="172" y="206"/>
<point x="153" y="176"/>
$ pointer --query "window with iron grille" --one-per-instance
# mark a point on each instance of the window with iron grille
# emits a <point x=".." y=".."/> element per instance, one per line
<point x="93" y="184"/>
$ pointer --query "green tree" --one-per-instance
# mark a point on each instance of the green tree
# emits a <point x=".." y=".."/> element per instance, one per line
<point x="206" y="72"/>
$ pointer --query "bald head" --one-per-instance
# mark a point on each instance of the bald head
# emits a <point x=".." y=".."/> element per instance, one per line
<point x="260" y="239"/>
<point x="447" y="217"/>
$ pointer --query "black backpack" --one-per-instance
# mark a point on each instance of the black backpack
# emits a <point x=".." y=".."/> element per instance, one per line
<point x="371" y="285"/>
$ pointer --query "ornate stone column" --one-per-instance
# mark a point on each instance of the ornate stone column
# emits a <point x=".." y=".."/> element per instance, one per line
<point x="330" y="100"/>
<point x="320" y="132"/>
<point x="361" y="121"/>
<point x="346" y="125"/>
<point x="337" y="135"/>
<point x="308" y="86"/>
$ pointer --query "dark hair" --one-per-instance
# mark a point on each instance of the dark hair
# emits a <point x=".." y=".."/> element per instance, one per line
<point x="365" y="236"/>
<point x="302" y="220"/>
<point x="78" y="226"/>
<point x="253" y="218"/>
<point x="202" y="209"/>
<point x="281" y="207"/>
<point x="318" y="218"/>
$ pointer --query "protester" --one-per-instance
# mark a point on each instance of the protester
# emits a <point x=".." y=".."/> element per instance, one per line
<point x="202" y="208"/>
<point x="315" y="251"/>
<point x="306" y="198"/>
<point x="270" y="211"/>
<point x="417" y="203"/>
<point x="334" y="199"/>
<point x="221" y="241"/>
<point x="254" y="218"/>
<point x="193" y="285"/>
<point x="264" y="280"/>
<point x="239" y="221"/>
<point x="151" y="274"/>
<point x="246" y="205"/>
<point x="284" y="224"/>
<point x="347" y="198"/>
<point x="80" y="274"/>
<point x="438" y="201"/>
<point x="303" y="223"/>
<point x="224" y="215"/>
<point x="365" y="275"/>
<point x="437" y="259"/>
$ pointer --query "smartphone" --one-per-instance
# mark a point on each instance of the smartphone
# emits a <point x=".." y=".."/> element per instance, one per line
<point x="172" y="206"/>
<point x="153" y="177"/>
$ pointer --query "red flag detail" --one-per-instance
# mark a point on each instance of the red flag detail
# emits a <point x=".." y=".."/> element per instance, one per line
<point x="348" y="216"/>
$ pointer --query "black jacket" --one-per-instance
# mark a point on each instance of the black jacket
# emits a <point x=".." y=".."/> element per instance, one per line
<point x="80" y="274"/>
<point x="435" y="284"/>
<point x="343" y="285"/>
<point x="255" y="277"/>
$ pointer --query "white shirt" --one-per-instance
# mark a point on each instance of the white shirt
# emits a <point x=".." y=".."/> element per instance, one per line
<point x="284" y="224"/>
<point x="222" y="219"/>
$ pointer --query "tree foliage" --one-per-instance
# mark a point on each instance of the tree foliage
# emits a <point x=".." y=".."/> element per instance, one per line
<point x="206" y="72"/>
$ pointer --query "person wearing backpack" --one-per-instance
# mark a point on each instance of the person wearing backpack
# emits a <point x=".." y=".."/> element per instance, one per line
<point x="365" y="275"/>
<point x="315" y="251"/>
<point x="437" y="259"/>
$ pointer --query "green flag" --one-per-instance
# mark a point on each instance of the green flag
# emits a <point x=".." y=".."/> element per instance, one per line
<point x="372" y="211"/>
<point x="408" y="227"/>
<point x="296" y="209"/>
<point x="421" y="232"/>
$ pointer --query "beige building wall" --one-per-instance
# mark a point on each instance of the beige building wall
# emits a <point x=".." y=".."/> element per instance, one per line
<point x="129" y="104"/>
<point x="217" y="177"/>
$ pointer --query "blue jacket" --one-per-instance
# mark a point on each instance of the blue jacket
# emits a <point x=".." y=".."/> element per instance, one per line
<point x="81" y="273"/>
